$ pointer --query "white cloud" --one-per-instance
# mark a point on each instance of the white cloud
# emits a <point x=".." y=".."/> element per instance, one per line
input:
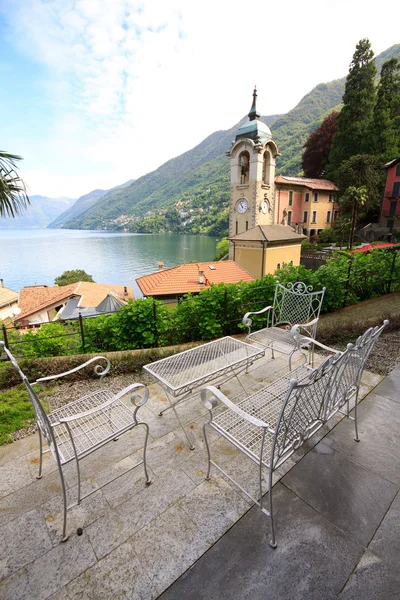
<point x="132" y="84"/>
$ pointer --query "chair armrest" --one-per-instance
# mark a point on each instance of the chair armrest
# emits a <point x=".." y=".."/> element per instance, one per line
<point x="212" y="403"/>
<point x="99" y="370"/>
<point x="104" y="405"/>
<point x="247" y="321"/>
<point x="303" y="339"/>
<point x="135" y="398"/>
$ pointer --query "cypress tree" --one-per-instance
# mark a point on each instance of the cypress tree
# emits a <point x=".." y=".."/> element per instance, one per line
<point x="385" y="128"/>
<point x="354" y="119"/>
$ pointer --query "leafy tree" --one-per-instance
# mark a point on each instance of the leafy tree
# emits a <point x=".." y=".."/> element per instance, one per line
<point x="222" y="248"/>
<point x="385" y="127"/>
<point x="13" y="196"/>
<point x="327" y="236"/>
<point x="354" y="119"/>
<point x="351" y="201"/>
<point x="364" y="170"/>
<point x="318" y="146"/>
<point x="73" y="277"/>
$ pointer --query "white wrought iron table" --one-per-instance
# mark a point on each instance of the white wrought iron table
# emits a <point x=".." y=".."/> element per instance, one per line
<point x="179" y="375"/>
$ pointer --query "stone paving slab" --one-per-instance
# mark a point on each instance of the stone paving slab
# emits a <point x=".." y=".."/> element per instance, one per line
<point x="373" y="579"/>
<point x="352" y="497"/>
<point x="313" y="559"/>
<point x="137" y="539"/>
<point x="379" y="432"/>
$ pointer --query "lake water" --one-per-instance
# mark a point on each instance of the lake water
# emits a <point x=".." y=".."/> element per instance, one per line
<point x="38" y="256"/>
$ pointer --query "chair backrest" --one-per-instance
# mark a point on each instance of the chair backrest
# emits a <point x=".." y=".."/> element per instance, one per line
<point x="348" y="376"/>
<point x="302" y="412"/>
<point x="40" y="414"/>
<point x="297" y="303"/>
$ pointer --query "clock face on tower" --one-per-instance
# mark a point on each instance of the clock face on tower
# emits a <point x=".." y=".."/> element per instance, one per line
<point x="265" y="206"/>
<point x="242" y="206"/>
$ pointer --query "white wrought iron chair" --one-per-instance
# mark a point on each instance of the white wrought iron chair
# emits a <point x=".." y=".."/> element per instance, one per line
<point x="77" y="429"/>
<point x="294" y="304"/>
<point x="270" y="425"/>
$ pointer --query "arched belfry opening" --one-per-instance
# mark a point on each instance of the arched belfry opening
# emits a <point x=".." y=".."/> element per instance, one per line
<point x="244" y="167"/>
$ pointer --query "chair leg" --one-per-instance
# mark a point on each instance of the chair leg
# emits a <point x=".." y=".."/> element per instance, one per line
<point x="272" y="542"/>
<point x="40" y="475"/>
<point x="260" y="483"/>
<point x="64" y="490"/>
<point x="146" y="474"/>
<point x="207" y="477"/>
<point x="356" y="439"/>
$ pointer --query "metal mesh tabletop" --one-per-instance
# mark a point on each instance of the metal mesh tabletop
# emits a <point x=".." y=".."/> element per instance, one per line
<point x="186" y="370"/>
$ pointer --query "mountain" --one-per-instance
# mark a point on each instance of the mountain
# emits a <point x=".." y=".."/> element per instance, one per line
<point x="39" y="214"/>
<point x="200" y="177"/>
<point x="81" y="205"/>
<point x="192" y="171"/>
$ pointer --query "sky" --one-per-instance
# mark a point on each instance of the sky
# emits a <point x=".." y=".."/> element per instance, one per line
<point x="97" y="92"/>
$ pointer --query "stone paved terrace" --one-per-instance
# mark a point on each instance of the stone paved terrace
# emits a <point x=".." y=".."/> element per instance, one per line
<point x="337" y="513"/>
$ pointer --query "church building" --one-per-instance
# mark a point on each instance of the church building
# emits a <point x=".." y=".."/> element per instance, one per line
<point x="270" y="216"/>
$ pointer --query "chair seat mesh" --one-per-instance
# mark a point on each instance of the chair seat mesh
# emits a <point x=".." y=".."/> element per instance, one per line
<point x="274" y="337"/>
<point x="265" y="405"/>
<point x="91" y="430"/>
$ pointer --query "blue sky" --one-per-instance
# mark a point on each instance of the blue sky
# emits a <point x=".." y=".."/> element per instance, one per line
<point x="96" y="92"/>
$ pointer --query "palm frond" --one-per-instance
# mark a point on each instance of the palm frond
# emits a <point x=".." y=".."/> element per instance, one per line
<point x="13" y="197"/>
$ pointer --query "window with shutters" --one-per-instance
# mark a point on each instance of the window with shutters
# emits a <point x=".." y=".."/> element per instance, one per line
<point x="396" y="188"/>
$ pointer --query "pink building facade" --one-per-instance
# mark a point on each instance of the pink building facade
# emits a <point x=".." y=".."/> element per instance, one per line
<point x="390" y="211"/>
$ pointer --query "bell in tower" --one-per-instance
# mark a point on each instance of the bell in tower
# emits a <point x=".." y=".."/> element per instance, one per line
<point x="252" y="154"/>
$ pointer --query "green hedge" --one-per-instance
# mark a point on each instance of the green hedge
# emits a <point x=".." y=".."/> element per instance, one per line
<point x="122" y="363"/>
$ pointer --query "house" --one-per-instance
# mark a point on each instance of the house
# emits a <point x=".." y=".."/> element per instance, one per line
<point x="42" y="304"/>
<point x="390" y="211"/>
<point x="8" y="302"/>
<point x="171" y="284"/>
<point x="308" y="205"/>
<point x="266" y="248"/>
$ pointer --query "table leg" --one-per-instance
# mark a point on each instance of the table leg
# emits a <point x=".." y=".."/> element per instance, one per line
<point x="172" y="405"/>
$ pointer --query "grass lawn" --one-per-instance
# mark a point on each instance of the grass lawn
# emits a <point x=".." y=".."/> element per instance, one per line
<point x="16" y="412"/>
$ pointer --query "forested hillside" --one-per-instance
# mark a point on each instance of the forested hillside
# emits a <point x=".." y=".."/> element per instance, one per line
<point x="190" y="193"/>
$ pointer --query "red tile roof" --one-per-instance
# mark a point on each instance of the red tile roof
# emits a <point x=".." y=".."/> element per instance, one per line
<point x="185" y="278"/>
<point x="35" y="298"/>
<point x="312" y="184"/>
<point x="7" y="296"/>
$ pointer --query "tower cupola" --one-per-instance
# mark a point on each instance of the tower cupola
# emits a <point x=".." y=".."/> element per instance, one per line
<point x="254" y="129"/>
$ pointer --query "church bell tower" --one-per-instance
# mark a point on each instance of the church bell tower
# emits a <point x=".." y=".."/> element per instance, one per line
<point x="252" y="155"/>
